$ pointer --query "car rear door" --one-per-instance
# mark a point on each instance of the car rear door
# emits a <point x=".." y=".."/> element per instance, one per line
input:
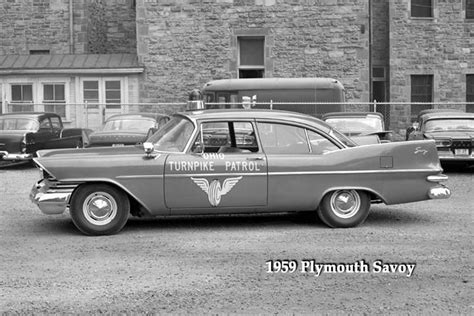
<point x="297" y="165"/>
<point x="227" y="174"/>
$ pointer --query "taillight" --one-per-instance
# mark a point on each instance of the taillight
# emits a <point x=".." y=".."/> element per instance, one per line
<point x="23" y="144"/>
<point x="443" y="142"/>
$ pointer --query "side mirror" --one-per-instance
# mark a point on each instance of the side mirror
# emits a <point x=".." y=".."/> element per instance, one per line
<point x="148" y="148"/>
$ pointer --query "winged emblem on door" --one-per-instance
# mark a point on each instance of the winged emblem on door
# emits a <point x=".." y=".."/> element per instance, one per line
<point x="215" y="190"/>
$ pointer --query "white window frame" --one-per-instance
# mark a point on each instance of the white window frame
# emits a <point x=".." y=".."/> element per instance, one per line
<point x="37" y="92"/>
<point x="101" y="81"/>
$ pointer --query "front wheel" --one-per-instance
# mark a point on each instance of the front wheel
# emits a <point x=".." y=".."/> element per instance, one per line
<point x="99" y="209"/>
<point x="344" y="208"/>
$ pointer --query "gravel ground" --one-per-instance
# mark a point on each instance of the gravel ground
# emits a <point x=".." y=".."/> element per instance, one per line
<point x="218" y="264"/>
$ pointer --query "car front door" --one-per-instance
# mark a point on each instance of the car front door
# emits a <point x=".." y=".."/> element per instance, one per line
<point x="224" y="171"/>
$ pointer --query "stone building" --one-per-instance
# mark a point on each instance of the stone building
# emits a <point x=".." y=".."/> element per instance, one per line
<point x="117" y="54"/>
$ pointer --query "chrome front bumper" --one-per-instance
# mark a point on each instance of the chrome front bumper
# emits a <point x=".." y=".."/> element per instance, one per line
<point x="5" y="155"/>
<point x="50" y="199"/>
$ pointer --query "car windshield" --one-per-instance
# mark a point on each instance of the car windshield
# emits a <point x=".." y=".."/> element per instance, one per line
<point x="356" y="124"/>
<point x="134" y="124"/>
<point x="173" y="136"/>
<point x="449" y="125"/>
<point x="18" y="124"/>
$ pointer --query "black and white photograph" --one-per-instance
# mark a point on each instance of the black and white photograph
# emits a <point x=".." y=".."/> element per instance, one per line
<point x="244" y="157"/>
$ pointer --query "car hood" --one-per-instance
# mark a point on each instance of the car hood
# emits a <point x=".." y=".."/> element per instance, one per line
<point x="108" y="138"/>
<point x="460" y="134"/>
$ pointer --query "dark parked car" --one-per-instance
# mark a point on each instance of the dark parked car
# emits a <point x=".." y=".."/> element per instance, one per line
<point x="363" y="127"/>
<point x="453" y="132"/>
<point x="24" y="133"/>
<point x="236" y="161"/>
<point x="127" y="129"/>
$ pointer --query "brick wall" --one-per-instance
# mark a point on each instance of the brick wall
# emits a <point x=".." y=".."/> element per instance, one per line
<point x="184" y="44"/>
<point x="441" y="46"/>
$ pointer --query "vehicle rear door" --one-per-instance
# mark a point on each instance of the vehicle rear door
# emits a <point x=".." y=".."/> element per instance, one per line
<point x="297" y="165"/>
<point x="44" y="135"/>
<point x="224" y="171"/>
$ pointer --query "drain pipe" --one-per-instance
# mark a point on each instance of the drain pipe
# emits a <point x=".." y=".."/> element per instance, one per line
<point x="71" y="27"/>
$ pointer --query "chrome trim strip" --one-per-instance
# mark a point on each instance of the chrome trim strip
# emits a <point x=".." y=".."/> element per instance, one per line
<point x="353" y="172"/>
<point x="223" y="174"/>
<point x="144" y="176"/>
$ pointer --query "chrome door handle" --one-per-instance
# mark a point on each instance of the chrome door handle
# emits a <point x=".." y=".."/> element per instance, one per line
<point x="255" y="158"/>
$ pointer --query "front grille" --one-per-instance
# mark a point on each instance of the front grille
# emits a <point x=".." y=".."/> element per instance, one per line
<point x="461" y="143"/>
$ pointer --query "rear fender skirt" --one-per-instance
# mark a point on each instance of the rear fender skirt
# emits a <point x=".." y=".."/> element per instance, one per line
<point x="365" y="189"/>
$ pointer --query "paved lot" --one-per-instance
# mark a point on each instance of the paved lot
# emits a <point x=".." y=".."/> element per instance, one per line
<point x="218" y="264"/>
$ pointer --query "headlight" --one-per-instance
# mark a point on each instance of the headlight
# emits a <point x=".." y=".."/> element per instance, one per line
<point x="443" y="142"/>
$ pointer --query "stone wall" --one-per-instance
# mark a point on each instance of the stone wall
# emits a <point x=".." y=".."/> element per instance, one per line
<point x="34" y="25"/>
<point x="183" y="44"/>
<point x="442" y="46"/>
<point x="98" y="26"/>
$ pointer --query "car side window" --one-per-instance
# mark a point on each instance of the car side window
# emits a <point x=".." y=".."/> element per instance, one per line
<point x="226" y="137"/>
<point x="55" y="122"/>
<point x="283" y="139"/>
<point x="45" y="124"/>
<point x="320" y="144"/>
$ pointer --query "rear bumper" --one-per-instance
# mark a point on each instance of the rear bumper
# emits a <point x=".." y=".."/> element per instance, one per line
<point x="50" y="200"/>
<point x="439" y="192"/>
<point x="5" y="155"/>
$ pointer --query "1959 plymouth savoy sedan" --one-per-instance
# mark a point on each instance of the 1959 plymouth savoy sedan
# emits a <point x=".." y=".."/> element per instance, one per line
<point x="23" y="133"/>
<point x="236" y="161"/>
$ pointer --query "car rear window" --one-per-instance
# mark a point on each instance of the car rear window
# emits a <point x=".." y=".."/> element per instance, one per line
<point x="18" y="124"/>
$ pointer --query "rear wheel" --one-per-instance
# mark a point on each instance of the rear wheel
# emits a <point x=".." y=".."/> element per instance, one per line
<point x="99" y="209"/>
<point x="344" y="208"/>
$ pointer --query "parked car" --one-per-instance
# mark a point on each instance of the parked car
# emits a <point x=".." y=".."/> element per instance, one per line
<point x="362" y="127"/>
<point x="453" y="132"/>
<point x="236" y="161"/>
<point x="127" y="129"/>
<point x="22" y="134"/>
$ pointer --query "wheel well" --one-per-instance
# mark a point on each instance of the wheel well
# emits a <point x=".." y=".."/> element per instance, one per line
<point x="374" y="196"/>
<point x="136" y="208"/>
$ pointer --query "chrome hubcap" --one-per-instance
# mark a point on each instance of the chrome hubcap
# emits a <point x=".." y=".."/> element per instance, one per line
<point x="99" y="208"/>
<point x="345" y="203"/>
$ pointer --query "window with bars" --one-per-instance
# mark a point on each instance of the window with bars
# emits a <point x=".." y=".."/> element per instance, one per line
<point x="470" y="92"/>
<point x="22" y="98"/>
<point x="421" y="91"/>
<point x="469" y="9"/>
<point x="54" y="98"/>
<point x="422" y="8"/>
<point x="251" y="57"/>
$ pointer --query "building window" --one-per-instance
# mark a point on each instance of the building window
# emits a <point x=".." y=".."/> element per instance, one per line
<point x="251" y="57"/>
<point x="54" y="99"/>
<point x="22" y="98"/>
<point x="39" y="52"/>
<point x="91" y="93"/>
<point x="422" y="8"/>
<point x="470" y="92"/>
<point x="469" y="9"/>
<point x="421" y="91"/>
<point x="112" y="94"/>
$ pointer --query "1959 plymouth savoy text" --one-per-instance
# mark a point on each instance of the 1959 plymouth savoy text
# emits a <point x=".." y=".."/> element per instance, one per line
<point x="236" y="161"/>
